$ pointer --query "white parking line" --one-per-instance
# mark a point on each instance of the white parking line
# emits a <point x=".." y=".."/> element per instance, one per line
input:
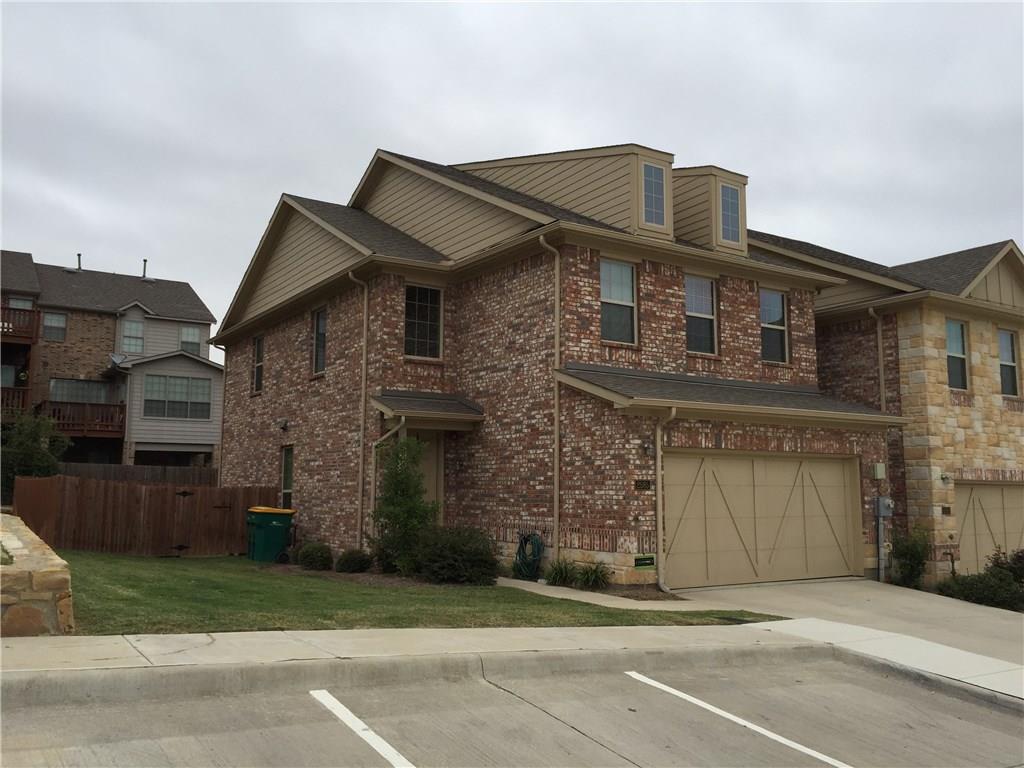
<point x="362" y="730"/>
<point x="739" y="721"/>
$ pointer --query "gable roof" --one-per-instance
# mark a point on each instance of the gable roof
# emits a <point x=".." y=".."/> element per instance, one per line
<point x="18" y="273"/>
<point x="136" y="362"/>
<point x="952" y="272"/>
<point x="376" y="235"/>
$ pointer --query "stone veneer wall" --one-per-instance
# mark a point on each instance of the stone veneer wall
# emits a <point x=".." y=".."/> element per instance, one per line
<point x="35" y="589"/>
<point x="972" y="435"/>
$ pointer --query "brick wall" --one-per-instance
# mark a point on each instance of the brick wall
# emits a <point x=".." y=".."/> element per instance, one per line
<point x="84" y="353"/>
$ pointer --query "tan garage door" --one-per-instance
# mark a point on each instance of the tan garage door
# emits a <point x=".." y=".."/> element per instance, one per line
<point x="988" y="515"/>
<point x="740" y="519"/>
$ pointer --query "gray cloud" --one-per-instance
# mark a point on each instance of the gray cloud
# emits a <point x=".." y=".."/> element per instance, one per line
<point x="892" y="132"/>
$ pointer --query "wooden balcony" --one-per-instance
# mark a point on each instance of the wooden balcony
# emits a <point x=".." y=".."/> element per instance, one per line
<point x="85" y="419"/>
<point x="19" y="326"/>
<point x="13" y="401"/>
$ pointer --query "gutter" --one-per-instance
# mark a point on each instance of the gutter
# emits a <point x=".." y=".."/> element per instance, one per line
<point x="362" y="408"/>
<point x="881" y="357"/>
<point x="982" y="307"/>
<point x="659" y="497"/>
<point x="556" y="414"/>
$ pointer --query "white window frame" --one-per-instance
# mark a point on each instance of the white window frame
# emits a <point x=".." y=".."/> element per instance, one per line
<point x="784" y="327"/>
<point x="721" y="213"/>
<point x="966" y="356"/>
<point x="63" y="325"/>
<point x="603" y="300"/>
<point x="1014" y="364"/>
<point x="141" y="336"/>
<point x="713" y="317"/>
<point x="198" y="341"/>
<point x="644" y="165"/>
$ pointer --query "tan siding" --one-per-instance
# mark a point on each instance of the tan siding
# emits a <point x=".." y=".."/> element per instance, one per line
<point x="192" y="431"/>
<point x="853" y="291"/>
<point x="305" y="255"/>
<point x="1002" y="285"/>
<point x="449" y="221"/>
<point x="598" y="187"/>
<point x="692" y="208"/>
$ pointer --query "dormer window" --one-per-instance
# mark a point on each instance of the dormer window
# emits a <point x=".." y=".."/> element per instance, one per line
<point x="730" y="213"/>
<point x="654" y="195"/>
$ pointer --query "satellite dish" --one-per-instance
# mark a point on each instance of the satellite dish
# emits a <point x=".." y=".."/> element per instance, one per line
<point x="118" y="359"/>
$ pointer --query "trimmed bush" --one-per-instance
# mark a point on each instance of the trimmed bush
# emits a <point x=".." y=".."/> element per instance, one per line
<point x="561" y="573"/>
<point x="461" y="555"/>
<point x="593" y="576"/>
<point x="995" y="587"/>
<point x="353" y="561"/>
<point x="315" y="556"/>
<point x="910" y="553"/>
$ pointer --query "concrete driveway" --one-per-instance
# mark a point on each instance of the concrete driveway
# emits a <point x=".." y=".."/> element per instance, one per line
<point x="975" y="628"/>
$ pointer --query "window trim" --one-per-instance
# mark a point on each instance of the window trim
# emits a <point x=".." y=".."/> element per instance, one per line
<point x="665" y="177"/>
<point x="288" y="449"/>
<point x="966" y="356"/>
<point x="601" y="300"/>
<point x="787" y="352"/>
<point x="440" y="324"/>
<point x="313" y="334"/>
<point x="1015" y="365"/>
<point x="141" y="337"/>
<point x="722" y="186"/>
<point x="719" y="241"/>
<point x="257" y="362"/>
<point x="165" y="417"/>
<point x="712" y="317"/>
<point x="198" y="342"/>
<point x="64" y="328"/>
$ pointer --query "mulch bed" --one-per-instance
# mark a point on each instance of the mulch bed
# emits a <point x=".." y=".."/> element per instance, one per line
<point x="640" y="592"/>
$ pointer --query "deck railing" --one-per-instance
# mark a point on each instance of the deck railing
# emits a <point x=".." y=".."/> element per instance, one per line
<point x="19" y="325"/>
<point x="13" y="400"/>
<point x="85" y="419"/>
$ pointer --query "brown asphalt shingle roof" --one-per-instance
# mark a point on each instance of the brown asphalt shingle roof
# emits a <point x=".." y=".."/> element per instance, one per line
<point x="428" y="402"/>
<point x="18" y="273"/>
<point x="816" y="252"/>
<point x="951" y="272"/>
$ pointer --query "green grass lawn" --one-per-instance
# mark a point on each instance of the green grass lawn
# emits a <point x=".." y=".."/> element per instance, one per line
<point x="116" y="594"/>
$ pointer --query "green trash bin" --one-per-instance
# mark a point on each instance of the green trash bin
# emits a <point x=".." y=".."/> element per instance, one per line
<point x="269" y="531"/>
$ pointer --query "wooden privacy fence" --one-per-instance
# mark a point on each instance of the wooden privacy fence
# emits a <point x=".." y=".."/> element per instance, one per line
<point x="142" y="474"/>
<point x="137" y="518"/>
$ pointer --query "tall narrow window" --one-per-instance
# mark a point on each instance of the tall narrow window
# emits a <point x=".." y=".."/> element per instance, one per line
<point x="55" y="326"/>
<point x="190" y="339"/>
<point x="730" y="213"/>
<point x="320" y="340"/>
<point x="132" y="342"/>
<point x="700" y="315"/>
<point x="618" y="302"/>
<point x="956" y="354"/>
<point x="257" y="364"/>
<point x="287" y="476"/>
<point x="422" y="321"/>
<point x="1009" y="377"/>
<point x="774" y="337"/>
<point x="654" y="195"/>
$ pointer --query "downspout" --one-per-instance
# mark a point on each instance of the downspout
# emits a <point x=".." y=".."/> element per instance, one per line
<point x="362" y="410"/>
<point x="373" y="459"/>
<point x="880" y="521"/>
<point x="556" y="414"/>
<point x="223" y="410"/>
<point x="659" y="497"/>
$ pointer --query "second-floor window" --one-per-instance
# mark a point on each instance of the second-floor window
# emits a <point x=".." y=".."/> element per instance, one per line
<point x="319" y="328"/>
<point x="774" y="336"/>
<point x="55" y="326"/>
<point x="19" y="302"/>
<point x="956" y="354"/>
<point x="618" y="302"/>
<point x="287" y="475"/>
<point x="190" y="339"/>
<point x="79" y="391"/>
<point x="654" y="195"/>
<point x="1009" y="377"/>
<point x="257" y="364"/>
<point x="422" y="321"/>
<point x="730" y="213"/>
<point x="700" y="315"/>
<point x="176" y="397"/>
<point x="132" y="342"/>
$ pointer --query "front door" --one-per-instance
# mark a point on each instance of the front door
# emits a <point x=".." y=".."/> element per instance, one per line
<point x="432" y="463"/>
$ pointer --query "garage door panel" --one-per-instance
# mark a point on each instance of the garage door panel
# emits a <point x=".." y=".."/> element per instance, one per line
<point x="988" y="515"/>
<point x="757" y="518"/>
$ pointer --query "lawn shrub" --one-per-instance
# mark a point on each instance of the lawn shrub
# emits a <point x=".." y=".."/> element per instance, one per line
<point x="1012" y="563"/>
<point x="910" y="553"/>
<point x="594" y="575"/>
<point x="353" y="561"/>
<point x="462" y="555"/>
<point x="561" y="573"/>
<point x="995" y="587"/>
<point x="315" y="556"/>
<point x="32" y="447"/>
<point x="402" y="511"/>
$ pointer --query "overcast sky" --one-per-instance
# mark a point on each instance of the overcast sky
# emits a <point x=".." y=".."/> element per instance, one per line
<point x="169" y="131"/>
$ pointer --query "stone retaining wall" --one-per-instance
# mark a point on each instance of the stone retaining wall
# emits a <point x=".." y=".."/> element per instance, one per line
<point x="35" y="589"/>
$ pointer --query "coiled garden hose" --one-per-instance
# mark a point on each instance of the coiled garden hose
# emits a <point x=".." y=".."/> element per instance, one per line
<point x="528" y="555"/>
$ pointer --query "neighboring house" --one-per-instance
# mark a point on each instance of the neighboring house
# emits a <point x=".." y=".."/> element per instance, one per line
<point x="944" y="334"/>
<point x="603" y="291"/>
<point x="120" y="362"/>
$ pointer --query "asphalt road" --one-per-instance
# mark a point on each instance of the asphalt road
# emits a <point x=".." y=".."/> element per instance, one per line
<point x="764" y="712"/>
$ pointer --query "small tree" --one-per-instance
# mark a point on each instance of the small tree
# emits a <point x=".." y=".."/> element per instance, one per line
<point x="910" y="552"/>
<point x="401" y="511"/>
<point x="32" y="447"/>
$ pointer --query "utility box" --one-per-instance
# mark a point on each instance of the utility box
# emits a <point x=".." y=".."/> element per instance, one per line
<point x="883" y="506"/>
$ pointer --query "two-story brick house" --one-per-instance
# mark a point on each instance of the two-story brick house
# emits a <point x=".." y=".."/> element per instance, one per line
<point x="120" y="362"/>
<point x="603" y="291"/>
<point x="938" y="341"/>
